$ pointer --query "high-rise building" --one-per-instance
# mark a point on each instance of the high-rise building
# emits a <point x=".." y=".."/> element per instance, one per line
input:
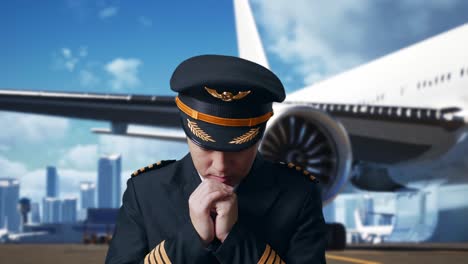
<point x="88" y="195"/>
<point x="9" y="196"/>
<point x="109" y="174"/>
<point x="52" y="182"/>
<point x="35" y="215"/>
<point x="51" y="210"/>
<point x="69" y="210"/>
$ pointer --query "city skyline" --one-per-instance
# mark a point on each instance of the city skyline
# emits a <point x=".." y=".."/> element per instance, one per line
<point x="54" y="207"/>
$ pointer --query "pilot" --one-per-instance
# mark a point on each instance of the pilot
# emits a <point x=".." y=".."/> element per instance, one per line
<point x="223" y="202"/>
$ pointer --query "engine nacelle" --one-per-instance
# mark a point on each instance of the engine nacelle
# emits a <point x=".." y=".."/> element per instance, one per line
<point x="313" y="140"/>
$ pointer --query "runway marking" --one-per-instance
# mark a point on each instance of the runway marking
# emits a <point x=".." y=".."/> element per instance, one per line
<point x="351" y="260"/>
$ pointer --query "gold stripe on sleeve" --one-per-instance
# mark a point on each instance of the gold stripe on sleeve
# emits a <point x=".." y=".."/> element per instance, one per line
<point x="147" y="261"/>
<point x="272" y="257"/>
<point x="265" y="255"/>
<point x="154" y="255"/>
<point x="164" y="254"/>
<point x="278" y="259"/>
<point x="157" y="253"/>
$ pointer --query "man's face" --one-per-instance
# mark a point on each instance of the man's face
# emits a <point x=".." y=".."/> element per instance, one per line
<point x="226" y="167"/>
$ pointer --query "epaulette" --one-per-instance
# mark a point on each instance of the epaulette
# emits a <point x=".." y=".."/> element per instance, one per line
<point x="305" y="172"/>
<point x="153" y="166"/>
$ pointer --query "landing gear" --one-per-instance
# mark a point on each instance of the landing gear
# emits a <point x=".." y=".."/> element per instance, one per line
<point x="336" y="236"/>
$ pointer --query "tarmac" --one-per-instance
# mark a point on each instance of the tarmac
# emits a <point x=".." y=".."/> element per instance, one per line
<point x="395" y="253"/>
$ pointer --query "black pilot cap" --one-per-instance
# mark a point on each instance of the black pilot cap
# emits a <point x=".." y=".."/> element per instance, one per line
<point x="225" y="101"/>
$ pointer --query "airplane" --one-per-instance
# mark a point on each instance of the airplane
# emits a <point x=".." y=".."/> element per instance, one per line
<point x="369" y="126"/>
<point x="374" y="234"/>
<point x="3" y="235"/>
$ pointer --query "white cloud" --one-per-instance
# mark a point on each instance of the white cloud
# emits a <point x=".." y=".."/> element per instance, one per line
<point x="88" y="79"/>
<point x="124" y="72"/>
<point x="11" y="169"/>
<point x="320" y="38"/>
<point x="108" y="12"/>
<point x="33" y="183"/>
<point x="80" y="157"/>
<point x="301" y="33"/>
<point x="31" y="128"/>
<point x="139" y="152"/>
<point x="145" y="21"/>
<point x="80" y="164"/>
<point x="66" y="53"/>
<point x="67" y="60"/>
<point x="83" y="52"/>
<point x="4" y="148"/>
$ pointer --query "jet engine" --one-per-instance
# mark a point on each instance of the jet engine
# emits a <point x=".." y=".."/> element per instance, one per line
<point x="313" y="140"/>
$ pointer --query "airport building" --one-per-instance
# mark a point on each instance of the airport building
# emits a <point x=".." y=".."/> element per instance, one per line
<point x="9" y="197"/>
<point x="96" y="229"/>
<point x="109" y="180"/>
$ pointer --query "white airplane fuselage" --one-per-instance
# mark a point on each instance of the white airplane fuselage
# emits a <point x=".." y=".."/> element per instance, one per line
<point x="429" y="74"/>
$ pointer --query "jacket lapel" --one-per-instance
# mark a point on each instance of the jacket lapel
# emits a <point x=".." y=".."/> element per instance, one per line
<point x="258" y="190"/>
<point x="184" y="181"/>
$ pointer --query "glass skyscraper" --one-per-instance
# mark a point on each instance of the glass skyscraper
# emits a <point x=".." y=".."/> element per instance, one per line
<point x="109" y="175"/>
<point x="51" y="210"/>
<point x="35" y="215"/>
<point x="69" y="210"/>
<point x="88" y="195"/>
<point x="52" y="182"/>
<point x="9" y="197"/>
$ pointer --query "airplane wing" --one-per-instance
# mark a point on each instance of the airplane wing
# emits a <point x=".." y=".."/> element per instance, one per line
<point x="119" y="109"/>
<point x="392" y="134"/>
<point x="398" y="131"/>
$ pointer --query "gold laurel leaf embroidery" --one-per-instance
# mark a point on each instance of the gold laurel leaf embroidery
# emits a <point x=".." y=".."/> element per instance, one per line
<point x="246" y="137"/>
<point x="199" y="132"/>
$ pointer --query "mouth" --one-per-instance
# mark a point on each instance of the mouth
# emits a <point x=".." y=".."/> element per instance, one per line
<point x="222" y="179"/>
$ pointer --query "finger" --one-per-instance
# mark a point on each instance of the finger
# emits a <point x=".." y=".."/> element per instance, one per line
<point x="226" y="203"/>
<point x="213" y="182"/>
<point x="204" y="195"/>
<point x="208" y="201"/>
<point x="211" y="186"/>
<point x="197" y="190"/>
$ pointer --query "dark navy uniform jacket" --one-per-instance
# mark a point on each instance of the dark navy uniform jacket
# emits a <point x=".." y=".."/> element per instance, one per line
<point x="280" y="218"/>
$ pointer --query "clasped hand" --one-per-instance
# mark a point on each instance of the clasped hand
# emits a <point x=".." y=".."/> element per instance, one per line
<point x="213" y="198"/>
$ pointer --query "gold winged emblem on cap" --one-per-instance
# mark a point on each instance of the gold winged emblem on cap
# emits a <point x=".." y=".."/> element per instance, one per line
<point x="227" y="96"/>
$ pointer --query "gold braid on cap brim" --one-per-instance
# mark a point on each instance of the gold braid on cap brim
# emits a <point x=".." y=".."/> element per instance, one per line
<point x="246" y="137"/>
<point x="198" y="131"/>
<point x="222" y="121"/>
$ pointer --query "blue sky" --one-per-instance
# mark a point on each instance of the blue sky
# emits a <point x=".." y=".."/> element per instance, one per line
<point x="133" y="47"/>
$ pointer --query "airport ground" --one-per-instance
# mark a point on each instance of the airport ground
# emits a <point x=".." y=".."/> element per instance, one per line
<point x="95" y="254"/>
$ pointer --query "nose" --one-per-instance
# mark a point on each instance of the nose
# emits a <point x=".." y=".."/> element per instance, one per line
<point x="220" y="162"/>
